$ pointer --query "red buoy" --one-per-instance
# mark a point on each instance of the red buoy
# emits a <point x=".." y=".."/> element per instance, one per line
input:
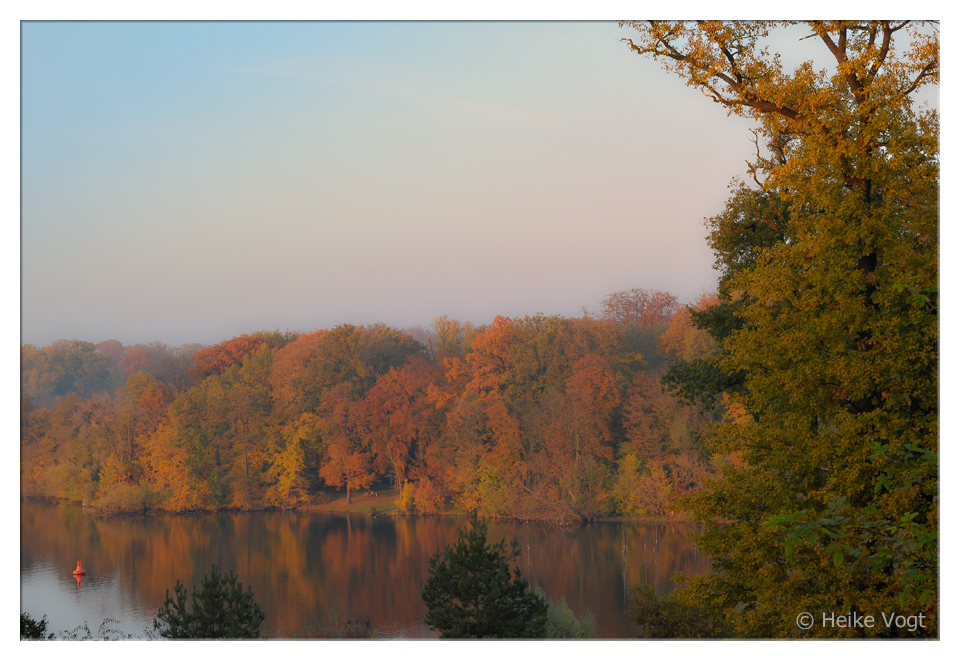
<point x="79" y="571"/>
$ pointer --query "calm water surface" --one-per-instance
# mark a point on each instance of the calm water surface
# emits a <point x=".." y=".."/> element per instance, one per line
<point x="301" y="563"/>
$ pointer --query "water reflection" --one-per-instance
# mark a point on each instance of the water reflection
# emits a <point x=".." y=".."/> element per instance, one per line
<point x="299" y="563"/>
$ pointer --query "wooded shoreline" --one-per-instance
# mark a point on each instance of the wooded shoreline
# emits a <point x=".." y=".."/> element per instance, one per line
<point x="534" y="418"/>
<point x="357" y="508"/>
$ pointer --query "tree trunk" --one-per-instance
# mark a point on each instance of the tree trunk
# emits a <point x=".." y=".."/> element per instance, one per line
<point x="246" y="479"/>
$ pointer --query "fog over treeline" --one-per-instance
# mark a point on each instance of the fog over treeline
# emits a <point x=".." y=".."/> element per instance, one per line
<point x="85" y="368"/>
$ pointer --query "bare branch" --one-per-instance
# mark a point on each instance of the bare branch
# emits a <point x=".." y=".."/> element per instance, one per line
<point x="926" y="71"/>
<point x="751" y="167"/>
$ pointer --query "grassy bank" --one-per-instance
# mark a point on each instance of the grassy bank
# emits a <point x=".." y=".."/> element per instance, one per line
<point x="374" y="502"/>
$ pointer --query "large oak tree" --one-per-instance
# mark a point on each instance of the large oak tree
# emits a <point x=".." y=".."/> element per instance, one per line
<point x="828" y="324"/>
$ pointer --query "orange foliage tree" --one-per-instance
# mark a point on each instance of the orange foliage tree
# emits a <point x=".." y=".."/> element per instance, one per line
<point x="214" y="360"/>
<point x="642" y="306"/>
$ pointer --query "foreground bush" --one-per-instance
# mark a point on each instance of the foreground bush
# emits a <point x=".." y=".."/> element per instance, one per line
<point x="562" y="622"/>
<point x="670" y="617"/>
<point x="30" y="629"/>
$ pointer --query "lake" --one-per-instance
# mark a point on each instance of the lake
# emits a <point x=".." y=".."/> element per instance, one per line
<point x="302" y="564"/>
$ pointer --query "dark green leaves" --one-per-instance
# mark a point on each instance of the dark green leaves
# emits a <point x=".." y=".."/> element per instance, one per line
<point x="471" y="593"/>
<point x="220" y="609"/>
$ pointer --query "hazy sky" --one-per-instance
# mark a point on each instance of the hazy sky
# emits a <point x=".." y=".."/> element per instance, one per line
<point x="189" y="182"/>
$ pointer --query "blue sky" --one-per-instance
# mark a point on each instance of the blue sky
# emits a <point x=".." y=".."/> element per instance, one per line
<point x="189" y="182"/>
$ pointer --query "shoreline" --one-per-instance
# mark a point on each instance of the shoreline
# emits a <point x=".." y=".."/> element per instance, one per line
<point x="360" y="506"/>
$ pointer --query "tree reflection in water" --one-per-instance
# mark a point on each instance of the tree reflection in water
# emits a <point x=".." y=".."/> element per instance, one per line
<point x="300" y="564"/>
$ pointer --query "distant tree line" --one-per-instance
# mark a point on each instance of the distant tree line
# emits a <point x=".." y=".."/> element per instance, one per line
<point x="537" y="417"/>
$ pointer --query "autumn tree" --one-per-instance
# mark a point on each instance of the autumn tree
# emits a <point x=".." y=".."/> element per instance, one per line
<point x="287" y="372"/>
<point x="347" y="460"/>
<point x="352" y="355"/>
<point x="347" y="362"/>
<point x="448" y="334"/>
<point x="662" y="455"/>
<point x="641" y="306"/>
<point x="173" y="366"/>
<point x="244" y="443"/>
<point x="57" y="459"/>
<point x="288" y="484"/>
<point x="112" y="349"/>
<point x="529" y="429"/>
<point x="183" y="458"/>
<point x="216" y="359"/>
<point x="399" y="417"/>
<point x="297" y="439"/>
<point x="34" y="423"/>
<point x="572" y="445"/>
<point x="119" y="426"/>
<point x="51" y="372"/>
<point x="642" y="315"/>
<point x="683" y="339"/>
<point x="827" y="325"/>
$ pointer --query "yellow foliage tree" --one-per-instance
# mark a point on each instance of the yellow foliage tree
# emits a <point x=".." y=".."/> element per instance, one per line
<point x="828" y="324"/>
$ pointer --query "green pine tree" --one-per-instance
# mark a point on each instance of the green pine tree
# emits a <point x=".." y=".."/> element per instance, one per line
<point x="471" y="593"/>
<point x="220" y="609"/>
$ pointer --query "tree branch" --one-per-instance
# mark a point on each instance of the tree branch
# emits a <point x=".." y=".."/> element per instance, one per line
<point x="884" y="50"/>
<point x="839" y="51"/>
<point x="927" y="70"/>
